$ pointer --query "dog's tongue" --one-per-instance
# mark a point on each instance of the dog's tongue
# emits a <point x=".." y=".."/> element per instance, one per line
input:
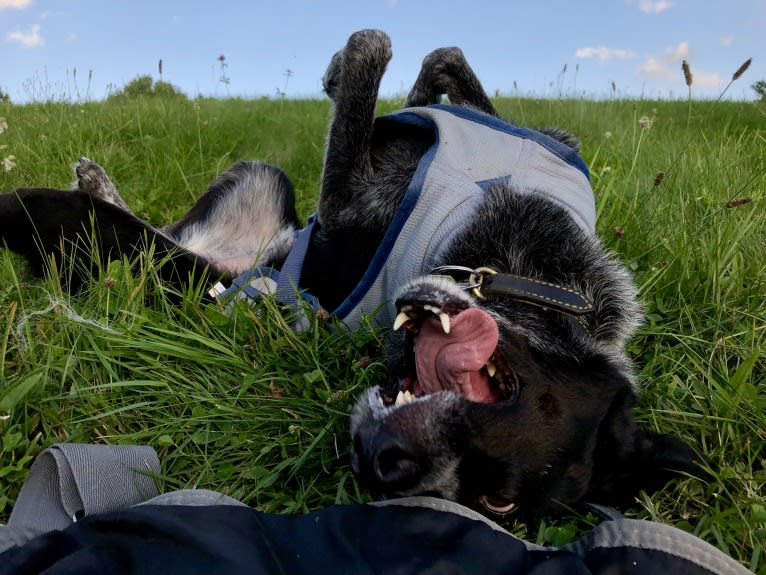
<point x="454" y="361"/>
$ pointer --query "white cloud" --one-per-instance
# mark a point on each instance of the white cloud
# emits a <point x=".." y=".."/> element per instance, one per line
<point x="30" y="40"/>
<point x="654" y="69"/>
<point x="727" y="41"/>
<point x="665" y="66"/>
<point x="679" y="52"/>
<point x="18" y="4"/>
<point x="653" y="7"/>
<point x="705" y="80"/>
<point x="603" y="53"/>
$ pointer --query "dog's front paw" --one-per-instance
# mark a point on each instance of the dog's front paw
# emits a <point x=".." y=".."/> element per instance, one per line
<point x="436" y="77"/>
<point x="441" y="60"/>
<point x="367" y="50"/>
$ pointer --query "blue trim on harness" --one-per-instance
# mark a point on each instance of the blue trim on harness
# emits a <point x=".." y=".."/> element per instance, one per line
<point x="287" y="280"/>
<point x="290" y="275"/>
<point x="401" y="216"/>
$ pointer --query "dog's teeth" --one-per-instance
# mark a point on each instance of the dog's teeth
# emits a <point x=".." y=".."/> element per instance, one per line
<point x="502" y="510"/>
<point x="491" y="368"/>
<point x="401" y="319"/>
<point x="403" y="398"/>
<point x="444" y="318"/>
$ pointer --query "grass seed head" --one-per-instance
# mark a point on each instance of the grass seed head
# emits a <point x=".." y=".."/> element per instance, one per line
<point x="739" y="202"/>
<point x="645" y="122"/>
<point x="687" y="73"/>
<point x="742" y="69"/>
<point x="659" y="178"/>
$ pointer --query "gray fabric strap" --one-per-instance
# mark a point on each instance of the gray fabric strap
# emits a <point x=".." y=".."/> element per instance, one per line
<point x="658" y="537"/>
<point x="69" y="480"/>
<point x="196" y="497"/>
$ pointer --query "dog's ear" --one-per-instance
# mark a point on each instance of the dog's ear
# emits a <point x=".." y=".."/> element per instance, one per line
<point x="629" y="459"/>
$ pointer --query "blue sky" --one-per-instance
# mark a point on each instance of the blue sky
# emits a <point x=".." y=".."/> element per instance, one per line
<point x="65" y="48"/>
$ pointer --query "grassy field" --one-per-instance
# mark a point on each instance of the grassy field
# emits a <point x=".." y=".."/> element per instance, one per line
<point x="241" y="405"/>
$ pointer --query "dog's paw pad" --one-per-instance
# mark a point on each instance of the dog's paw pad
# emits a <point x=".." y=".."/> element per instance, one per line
<point x="90" y="176"/>
<point x="92" y="180"/>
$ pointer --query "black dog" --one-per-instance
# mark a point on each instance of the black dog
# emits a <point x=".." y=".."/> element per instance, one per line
<point x="509" y="386"/>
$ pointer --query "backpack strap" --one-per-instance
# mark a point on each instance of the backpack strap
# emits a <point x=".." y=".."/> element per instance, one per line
<point x="68" y="481"/>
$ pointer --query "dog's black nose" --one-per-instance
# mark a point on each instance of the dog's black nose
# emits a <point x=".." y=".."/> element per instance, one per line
<point x="385" y="462"/>
<point x="393" y="464"/>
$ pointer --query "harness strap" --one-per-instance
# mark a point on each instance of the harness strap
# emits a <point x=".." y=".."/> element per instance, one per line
<point x="262" y="281"/>
<point x="290" y="274"/>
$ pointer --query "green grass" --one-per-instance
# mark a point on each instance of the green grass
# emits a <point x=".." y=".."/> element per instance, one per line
<point x="242" y="405"/>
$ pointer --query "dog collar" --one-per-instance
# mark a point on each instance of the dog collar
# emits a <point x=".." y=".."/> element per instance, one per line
<point x="486" y="283"/>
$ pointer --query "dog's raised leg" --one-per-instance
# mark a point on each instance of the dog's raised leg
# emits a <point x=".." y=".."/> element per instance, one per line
<point x="352" y="81"/>
<point x="92" y="179"/>
<point x="445" y="71"/>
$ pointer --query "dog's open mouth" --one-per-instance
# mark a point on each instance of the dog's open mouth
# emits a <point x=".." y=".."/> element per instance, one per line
<point x="452" y="350"/>
<point x="450" y="346"/>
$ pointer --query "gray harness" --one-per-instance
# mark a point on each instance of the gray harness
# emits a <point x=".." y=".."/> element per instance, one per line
<point x="472" y="151"/>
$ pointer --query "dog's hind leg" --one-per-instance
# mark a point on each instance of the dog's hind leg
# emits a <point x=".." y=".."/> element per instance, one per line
<point x="246" y="217"/>
<point x="445" y="71"/>
<point x="352" y="82"/>
<point x="92" y="179"/>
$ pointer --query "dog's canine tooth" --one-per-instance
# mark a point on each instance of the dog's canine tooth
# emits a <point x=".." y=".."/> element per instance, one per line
<point x="444" y="318"/>
<point x="400" y="398"/>
<point x="491" y="368"/>
<point x="408" y="396"/>
<point x="401" y="319"/>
